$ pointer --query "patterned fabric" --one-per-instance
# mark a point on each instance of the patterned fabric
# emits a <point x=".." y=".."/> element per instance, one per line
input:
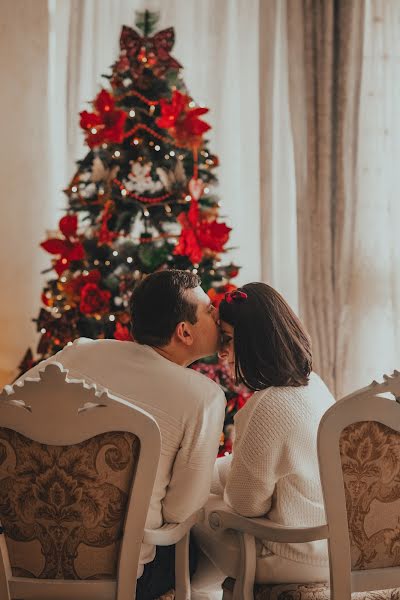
<point x="302" y="591"/>
<point x="370" y="454"/>
<point x="63" y="507"/>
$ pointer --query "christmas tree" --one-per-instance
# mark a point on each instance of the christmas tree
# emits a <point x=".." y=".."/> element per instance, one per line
<point x="141" y="200"/>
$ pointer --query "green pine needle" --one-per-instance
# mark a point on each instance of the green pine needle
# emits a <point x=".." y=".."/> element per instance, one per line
<point x="146" y="21"/>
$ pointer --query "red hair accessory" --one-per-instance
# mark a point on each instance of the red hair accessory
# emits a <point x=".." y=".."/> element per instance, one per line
<point x="236" y="295"/>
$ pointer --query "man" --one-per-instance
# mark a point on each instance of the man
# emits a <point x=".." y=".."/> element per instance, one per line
<point x="173" y="325"/>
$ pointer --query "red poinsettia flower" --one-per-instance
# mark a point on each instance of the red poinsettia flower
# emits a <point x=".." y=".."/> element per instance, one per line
<point x="199" y="235"/>
<point x="73" y="287"/>
<point x="181" y="121"/>
<point x="69" y="247"/>
<point x="122" y="333"/>
<point x="94" y="300"/>
<point x="106" y="123"/>
<point x="216" y="296"/>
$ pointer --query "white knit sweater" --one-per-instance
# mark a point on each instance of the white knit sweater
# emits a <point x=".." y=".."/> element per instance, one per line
<point x="274" y="468"/>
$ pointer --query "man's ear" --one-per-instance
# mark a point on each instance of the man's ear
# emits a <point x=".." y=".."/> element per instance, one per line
<point x="184" y="334"/>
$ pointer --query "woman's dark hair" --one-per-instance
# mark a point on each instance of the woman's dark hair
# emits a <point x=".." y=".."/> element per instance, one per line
<point x="158" y="303"/>
<point x="271" y="346"/>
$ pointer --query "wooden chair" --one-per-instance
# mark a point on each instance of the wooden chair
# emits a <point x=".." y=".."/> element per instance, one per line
<point x="77" y="469"/>
<point x="359" y="460"/>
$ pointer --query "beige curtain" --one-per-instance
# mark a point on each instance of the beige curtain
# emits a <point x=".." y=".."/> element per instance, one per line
<point x="278" y="220"/>
<point x="369" y="338"/>
<point x="25" y="208"/>
<point x="325" y="41"/>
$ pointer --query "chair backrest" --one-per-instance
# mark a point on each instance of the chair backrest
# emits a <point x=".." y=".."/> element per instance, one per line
<point x="77" y="469"/>
<point x="359" y="458"/>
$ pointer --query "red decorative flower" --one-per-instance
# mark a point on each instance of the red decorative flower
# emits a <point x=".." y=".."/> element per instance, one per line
<point x="181" y="121"/>
<point x="217" y="295"/>
<point x="122" y="333"/>
<point x="237" y="402"/>
<point x="94" y="300"/>
<point x="106" y="124"/>
<point x="74" y="286"/>
<point x="69" y="247"/>
<point x="199" y="235"/>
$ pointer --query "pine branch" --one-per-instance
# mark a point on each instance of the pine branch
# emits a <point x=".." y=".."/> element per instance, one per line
<point x="146" y="21"/>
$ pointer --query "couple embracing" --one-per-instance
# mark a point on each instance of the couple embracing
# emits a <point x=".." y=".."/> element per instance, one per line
<point x="273" y="469"/>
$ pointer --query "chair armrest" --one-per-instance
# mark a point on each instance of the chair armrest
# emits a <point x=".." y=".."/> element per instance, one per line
<point x="264" y="529"/>
<point x="171" y="533"/>
<point x="5" y="568"/>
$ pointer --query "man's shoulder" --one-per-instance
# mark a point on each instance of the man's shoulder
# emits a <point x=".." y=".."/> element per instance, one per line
<point x="188" y="384"/>
<point x="89" y="347"/>
<point x="87" y="343"/>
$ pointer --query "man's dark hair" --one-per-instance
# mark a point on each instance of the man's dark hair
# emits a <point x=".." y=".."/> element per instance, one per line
<point x="271" y="346"/>
<point x="158" y="303"/>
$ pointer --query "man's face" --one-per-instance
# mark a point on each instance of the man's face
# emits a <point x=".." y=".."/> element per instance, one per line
<point x="205" y="332"/>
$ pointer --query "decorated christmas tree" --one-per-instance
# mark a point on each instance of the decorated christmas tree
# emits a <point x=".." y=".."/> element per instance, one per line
<point x="141" y="200"/>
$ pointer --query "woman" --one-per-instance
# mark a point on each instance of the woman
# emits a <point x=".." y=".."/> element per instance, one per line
<point x="274" y="468"/>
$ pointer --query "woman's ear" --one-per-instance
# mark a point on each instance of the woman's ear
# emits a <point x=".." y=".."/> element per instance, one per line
<point x="184" y="334"/>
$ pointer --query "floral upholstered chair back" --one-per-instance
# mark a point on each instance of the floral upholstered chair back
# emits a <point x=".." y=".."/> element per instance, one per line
<point x="370" y="456"/>
<point x="63" y="507"/>
<point x="359" y="457"/>
<point x="77" y="469"/>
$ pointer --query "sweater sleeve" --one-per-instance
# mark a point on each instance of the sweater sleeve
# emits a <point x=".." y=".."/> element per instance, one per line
<point x="221" y="470"/>
<point x="190" y="482"/>
<point x="260" y="459"/>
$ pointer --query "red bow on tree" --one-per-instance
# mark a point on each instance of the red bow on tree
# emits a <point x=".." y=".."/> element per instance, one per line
<point x="69" y="248"/>
<point x="199" y="235"/>
<point x="150" y="50"/>
<point x="106" y="124"/>
<point x="181" y="121"/>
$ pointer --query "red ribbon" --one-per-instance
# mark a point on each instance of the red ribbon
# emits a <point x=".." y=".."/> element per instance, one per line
<point x="236" y="295"/>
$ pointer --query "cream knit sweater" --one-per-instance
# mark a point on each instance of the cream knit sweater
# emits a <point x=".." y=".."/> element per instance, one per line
<point x="274" y="468"/>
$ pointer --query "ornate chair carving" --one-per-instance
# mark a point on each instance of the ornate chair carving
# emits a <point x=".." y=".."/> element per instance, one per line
<point x="77" y="468"/>
<point x="359" y="460"/>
